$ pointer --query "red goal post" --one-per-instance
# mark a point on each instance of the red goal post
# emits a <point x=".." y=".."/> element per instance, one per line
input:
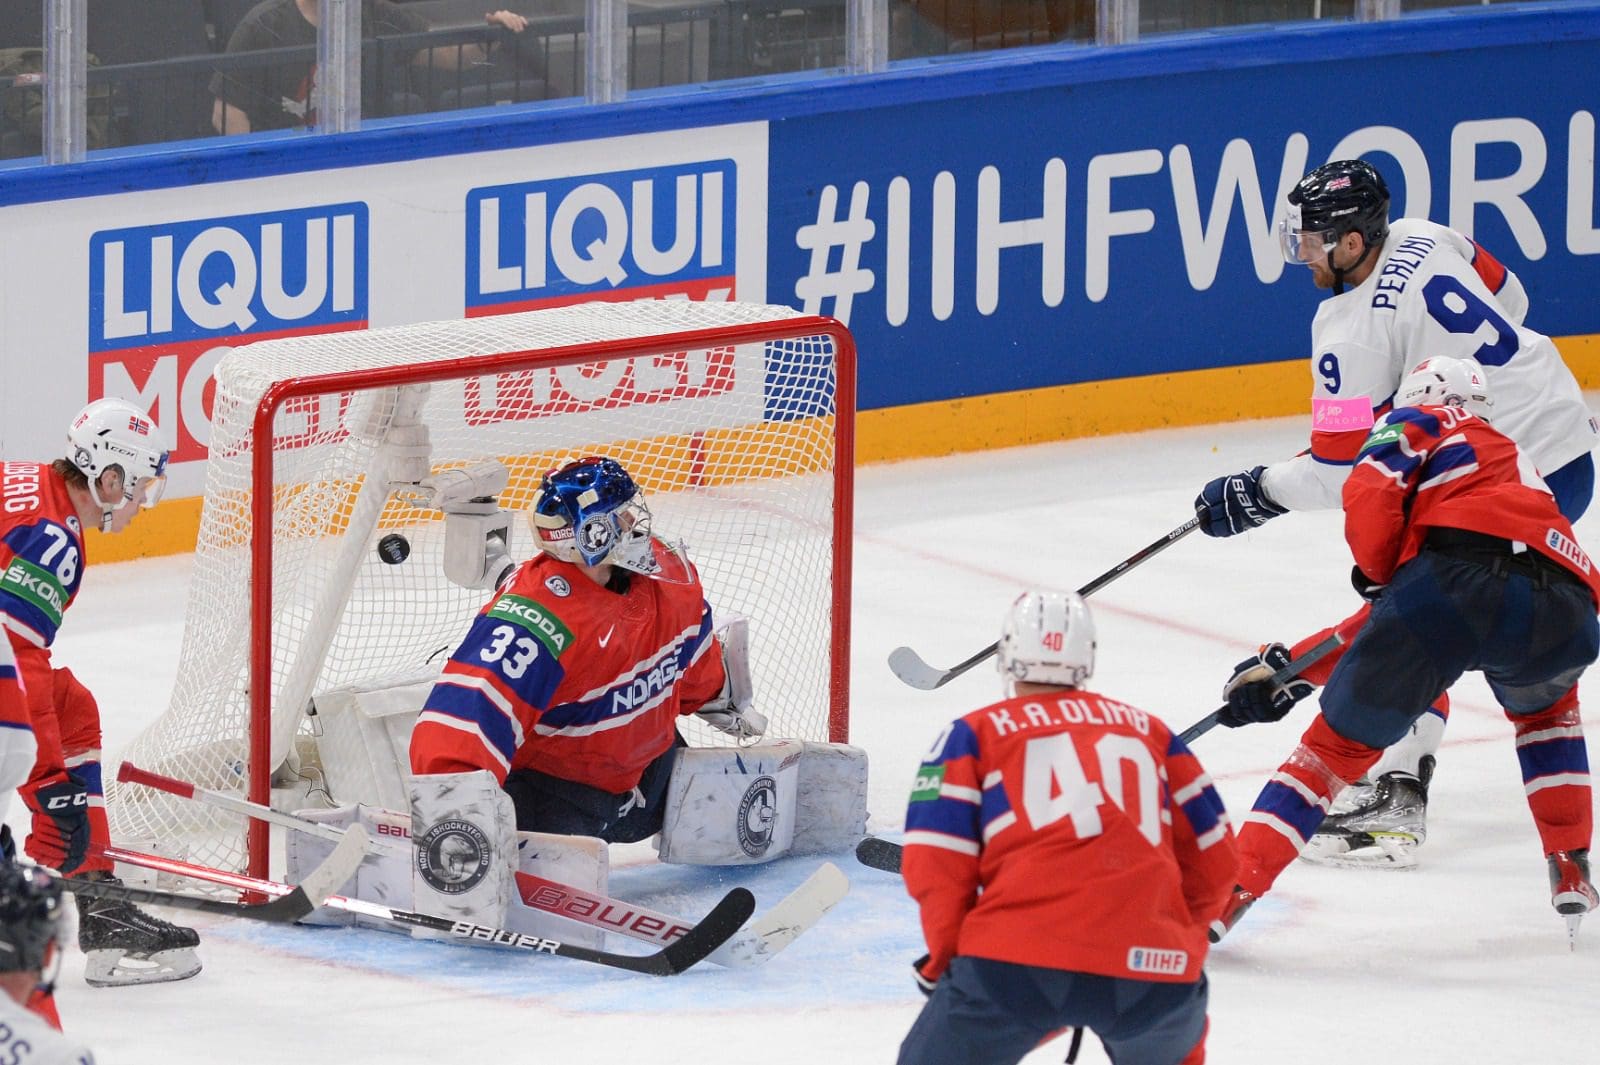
<point x="736" y="419"/>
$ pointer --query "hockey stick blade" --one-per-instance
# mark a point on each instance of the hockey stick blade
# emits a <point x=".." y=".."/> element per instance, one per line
<point x="875" y="853"/>
<point x="778" y="927"/>
<point x="1324" y="647"/>
<point x="312" y="892"/>
<point x="910" y="667"/>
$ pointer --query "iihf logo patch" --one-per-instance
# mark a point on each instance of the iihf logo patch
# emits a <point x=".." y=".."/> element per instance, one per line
<point x="558" y="586"/>
<point x="595" y="533"/>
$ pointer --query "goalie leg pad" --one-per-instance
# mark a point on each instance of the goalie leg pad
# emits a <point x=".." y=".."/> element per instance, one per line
<point x="728" y="806"/>
<point x="384" y="875"/>
<point x="464" y="831"/>
<point x="830" y="811"/>
<point x="579" y="862"/>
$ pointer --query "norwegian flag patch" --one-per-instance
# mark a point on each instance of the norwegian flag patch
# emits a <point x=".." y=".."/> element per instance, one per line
<point x="138" y="425"/>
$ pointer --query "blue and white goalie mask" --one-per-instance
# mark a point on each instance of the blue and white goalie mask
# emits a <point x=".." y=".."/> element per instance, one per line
<point x="591" y="513"/>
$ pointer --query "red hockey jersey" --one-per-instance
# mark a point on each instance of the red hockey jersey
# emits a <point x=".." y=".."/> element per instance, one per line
<point x="13" y="697"/>
<point x="41" y="552"/>
<point x="1427" y="467"/>
<point x="1069" y="832"/>
<point x="563" y="676"/>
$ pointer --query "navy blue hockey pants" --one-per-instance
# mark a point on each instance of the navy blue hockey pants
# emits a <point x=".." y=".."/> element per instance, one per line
<point x="545" y="803"/>
<point x="1528" y="628"/>
<point x="987" y="1012"/>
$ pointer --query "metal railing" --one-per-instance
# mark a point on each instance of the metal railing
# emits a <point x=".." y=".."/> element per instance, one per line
<point x="56" y="106"/>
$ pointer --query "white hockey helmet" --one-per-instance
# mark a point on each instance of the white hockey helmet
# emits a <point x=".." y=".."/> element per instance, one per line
<point x="1443" y="381"/>
<point x="1048" y="638"/>
<point x="113" y="433"/>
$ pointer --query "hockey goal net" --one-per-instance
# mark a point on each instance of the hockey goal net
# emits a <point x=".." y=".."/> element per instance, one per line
<point x="735" y="419"/>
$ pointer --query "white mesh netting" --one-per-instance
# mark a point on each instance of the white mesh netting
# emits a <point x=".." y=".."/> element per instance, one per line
<point x="734" y="446"/>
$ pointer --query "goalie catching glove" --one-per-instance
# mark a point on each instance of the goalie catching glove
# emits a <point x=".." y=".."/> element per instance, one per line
<point x="1253" y="698"/>
<point x="730" y="711"/>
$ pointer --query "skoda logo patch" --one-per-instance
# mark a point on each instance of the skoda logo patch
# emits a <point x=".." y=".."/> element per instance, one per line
<point x="453" y="856"/>
<point x="558" y="586"/>
<point x="758" y="815"/>
<point x="595" y="533"/>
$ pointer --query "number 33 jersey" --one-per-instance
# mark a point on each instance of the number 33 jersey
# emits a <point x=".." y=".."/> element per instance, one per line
<point x="1067" y="831"/>
<point x="1434" y="292"/>
<point x="578" y="681"/>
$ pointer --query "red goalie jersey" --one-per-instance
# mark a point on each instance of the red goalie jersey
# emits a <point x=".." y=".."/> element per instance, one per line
<point x="1069" y="832"/>
<point x="560" y="675"/>
<point x="1426" y="467"/>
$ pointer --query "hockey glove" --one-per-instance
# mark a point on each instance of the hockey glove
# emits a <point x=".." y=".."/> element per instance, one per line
<point x="1365" y="586"/>
<point x="1232" y="504"/>
<point x="924" y="984"/>
<point x="730" y="710"/>
<point x="65" y="803"/>
<point x="1251" y="695"/>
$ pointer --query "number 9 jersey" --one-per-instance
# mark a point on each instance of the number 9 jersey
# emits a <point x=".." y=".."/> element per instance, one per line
<point x="1433" y="292"/>
<point x="1067" y="831"/>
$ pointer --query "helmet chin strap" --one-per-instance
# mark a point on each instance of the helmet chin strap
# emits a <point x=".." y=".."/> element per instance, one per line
<point x="1339" y="272"/>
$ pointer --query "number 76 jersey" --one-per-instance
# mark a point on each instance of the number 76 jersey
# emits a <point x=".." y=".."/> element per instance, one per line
<point x="41" y="552"/>
<point x="1067" y="831"/>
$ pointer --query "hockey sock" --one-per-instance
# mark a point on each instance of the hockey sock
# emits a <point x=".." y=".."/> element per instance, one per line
<point x="1294" y="802"/>
<point x="1555" y="774"/>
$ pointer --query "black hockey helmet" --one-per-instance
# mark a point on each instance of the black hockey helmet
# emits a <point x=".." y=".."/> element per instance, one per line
<point x="30" y="916"/>
<point x="1346" y="195"/>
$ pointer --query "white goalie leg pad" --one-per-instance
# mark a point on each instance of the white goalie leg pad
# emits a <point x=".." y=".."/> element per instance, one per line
<point x="830" y="811"/>
<point x="582" y="863"/>
<point x="731" y="806"/>
<point x="464" y="831"/>
<point x="384" y="875"/>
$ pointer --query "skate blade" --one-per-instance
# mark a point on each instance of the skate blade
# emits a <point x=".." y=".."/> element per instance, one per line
<point x="116" y="968"/>
<point x="1573" y="921"/>
<point x="1386" y="850"/>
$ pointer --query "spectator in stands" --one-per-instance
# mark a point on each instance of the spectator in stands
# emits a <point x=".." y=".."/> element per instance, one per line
<point x="280" y="96"/>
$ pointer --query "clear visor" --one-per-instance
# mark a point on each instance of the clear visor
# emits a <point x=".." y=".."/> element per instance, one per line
<point x="148" y="490"/>
<point x="1304" y="246"/>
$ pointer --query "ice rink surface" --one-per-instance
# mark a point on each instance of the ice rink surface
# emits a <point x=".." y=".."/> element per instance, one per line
<point x="1460" y="960"/>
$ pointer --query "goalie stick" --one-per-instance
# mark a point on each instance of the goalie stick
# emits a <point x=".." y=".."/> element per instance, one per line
<point x="767" y="935"/>
<point x="875" y="853"/>
<point x="294" y="902"/>
<point x="910" y="668"/>
<point x="697" y="942"/>
<point x="1322" y="648"/>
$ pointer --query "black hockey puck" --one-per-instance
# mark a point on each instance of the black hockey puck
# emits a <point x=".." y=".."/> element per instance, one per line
<point x="394" y="549"/>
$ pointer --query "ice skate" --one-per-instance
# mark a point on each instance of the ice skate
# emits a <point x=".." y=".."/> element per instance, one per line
<point x="124" y="945"/>
<point x="1381" y="828"/>
<point x="1240" y="901"/>
<point x="1572" y="893"/>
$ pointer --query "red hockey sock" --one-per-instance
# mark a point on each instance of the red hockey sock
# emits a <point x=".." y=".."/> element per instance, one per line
<point x="1294" y="802"/>
<point x="1555" y="774"/>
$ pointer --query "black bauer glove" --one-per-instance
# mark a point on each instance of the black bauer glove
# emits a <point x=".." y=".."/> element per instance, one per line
<point x="1234" y="503"/>
<point x="1365" y="586"/>
<point x="66" y="803"/>
<point x="924" y="985"/>
<point x="1251" y="695"/>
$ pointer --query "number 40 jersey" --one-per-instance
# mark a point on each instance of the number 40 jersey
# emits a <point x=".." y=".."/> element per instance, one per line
<point x="1433" y="292"/>
<point x="1067" y="831"/>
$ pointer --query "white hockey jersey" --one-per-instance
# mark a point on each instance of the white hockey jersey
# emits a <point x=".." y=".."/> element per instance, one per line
<point x="26" y="1039"/>
<point x="1433" y="292"/>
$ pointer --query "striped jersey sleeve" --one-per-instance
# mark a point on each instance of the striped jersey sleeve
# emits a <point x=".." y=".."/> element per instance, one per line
<point x="1202" y="836"/>
<point x="1387" y="473"/>
<point x="492" y="689"/>
<point x="945" y="822"/>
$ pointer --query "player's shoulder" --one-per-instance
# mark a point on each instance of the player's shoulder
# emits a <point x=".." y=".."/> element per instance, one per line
<point x="26" y="1037"/>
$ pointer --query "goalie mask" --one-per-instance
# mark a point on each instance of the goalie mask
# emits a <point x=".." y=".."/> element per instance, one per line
<point x="1443" y="381"/>
<point x="31" y="920"/>
<point x="114" y="434"/>
<point x="1048" y="638"/>
<point x="591" y="513"/>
